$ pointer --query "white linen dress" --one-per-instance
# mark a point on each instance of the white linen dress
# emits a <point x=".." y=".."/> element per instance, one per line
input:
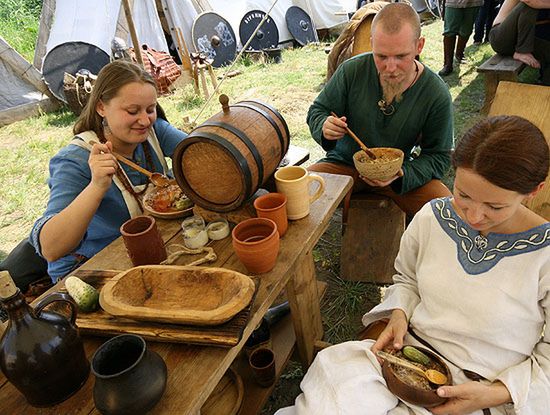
<point x="481" y="302"/>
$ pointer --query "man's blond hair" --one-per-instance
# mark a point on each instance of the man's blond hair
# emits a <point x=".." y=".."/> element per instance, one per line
<point x="393" y="16"/>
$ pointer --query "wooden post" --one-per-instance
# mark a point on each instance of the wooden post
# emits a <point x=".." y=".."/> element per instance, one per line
<point x="44" y="28"/>
<point x="133" y="34"/>
<point x="302" y="289"/>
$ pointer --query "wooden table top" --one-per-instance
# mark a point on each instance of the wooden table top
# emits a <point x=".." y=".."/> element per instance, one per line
<point x="194" y="371"/>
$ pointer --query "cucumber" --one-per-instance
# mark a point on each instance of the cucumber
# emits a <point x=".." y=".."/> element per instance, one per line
<point x="415" y="355"/>
<point x="85" y="296"/>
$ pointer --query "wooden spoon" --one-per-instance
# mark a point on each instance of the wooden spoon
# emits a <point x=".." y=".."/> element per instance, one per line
<point x="157" y="179"/>
<point x="432" y="375"/>
<point x="361" y="144"/>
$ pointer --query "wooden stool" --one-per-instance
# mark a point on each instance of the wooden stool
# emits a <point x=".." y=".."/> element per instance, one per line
<point x="371" y="238"/>
<point x="498" y="68"/>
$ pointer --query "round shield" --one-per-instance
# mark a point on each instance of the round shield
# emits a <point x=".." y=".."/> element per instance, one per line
<point x="267" y="37"/>
<point x="214" y="38"/>
<point x="300" y="25"/>
<point x="70" y="57"/>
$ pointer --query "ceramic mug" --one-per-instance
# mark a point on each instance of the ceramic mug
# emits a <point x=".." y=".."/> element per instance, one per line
<point x="262" y="362"/>
<point x="294" y="182"/>
<point x="143" y="241"/>
<point x="273" y="206"/>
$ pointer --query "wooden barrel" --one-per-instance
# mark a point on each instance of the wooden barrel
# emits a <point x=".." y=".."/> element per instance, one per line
<point x="224" y="161"/>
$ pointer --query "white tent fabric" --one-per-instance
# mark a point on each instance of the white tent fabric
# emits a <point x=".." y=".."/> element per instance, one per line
<point x="15" y="90"/>
<point x="148" y="26"/>
<point x="324" y="13"/>
<point x="182" y="14"/>
<point x="80" y="20"/>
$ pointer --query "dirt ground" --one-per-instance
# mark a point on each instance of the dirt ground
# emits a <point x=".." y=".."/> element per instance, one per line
<point x="342" y="308"/>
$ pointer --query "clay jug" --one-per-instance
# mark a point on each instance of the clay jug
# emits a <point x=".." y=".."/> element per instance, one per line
<point x="41" y="353"/>
<point x="130" y="378"/>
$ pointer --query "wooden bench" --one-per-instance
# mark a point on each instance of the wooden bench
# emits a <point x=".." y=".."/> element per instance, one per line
<point x="371" y="238"/>
<point x="498" y="68"/>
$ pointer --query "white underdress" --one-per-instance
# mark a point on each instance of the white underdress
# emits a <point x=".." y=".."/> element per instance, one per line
<point x="482" y="302"/>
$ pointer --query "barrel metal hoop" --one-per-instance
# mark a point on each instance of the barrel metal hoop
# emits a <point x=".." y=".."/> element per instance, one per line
<point x="277" y="113"/>
<point x="244" y="138"/>
<point x="236" y="155"/>
<point x="269" y="119"/>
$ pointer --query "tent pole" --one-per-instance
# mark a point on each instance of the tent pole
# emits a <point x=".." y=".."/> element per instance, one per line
<point x="133" y="34"/>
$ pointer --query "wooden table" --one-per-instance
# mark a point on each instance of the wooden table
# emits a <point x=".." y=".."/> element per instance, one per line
<point x="194" y="371"/>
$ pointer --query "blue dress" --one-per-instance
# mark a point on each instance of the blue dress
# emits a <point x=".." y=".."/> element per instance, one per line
<point x="70" y="174"/>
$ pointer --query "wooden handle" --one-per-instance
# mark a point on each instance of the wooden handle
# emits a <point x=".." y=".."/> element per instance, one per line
<point x="361" y="144"/>
<point x="396" y="360"/>
<point x="130" y="163"/>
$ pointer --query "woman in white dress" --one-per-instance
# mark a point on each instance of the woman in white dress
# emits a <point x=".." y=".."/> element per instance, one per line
<point x="472" y="281"/>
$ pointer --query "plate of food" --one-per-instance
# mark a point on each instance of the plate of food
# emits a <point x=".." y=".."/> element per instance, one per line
<point x="167" y="202"/>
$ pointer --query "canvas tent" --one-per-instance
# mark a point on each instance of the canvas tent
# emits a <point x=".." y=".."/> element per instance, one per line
<point x="78" y="21"/>
<point x="23" y="93"/>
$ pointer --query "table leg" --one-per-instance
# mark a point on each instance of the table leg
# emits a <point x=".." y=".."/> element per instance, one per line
<point x="304" y="306"/>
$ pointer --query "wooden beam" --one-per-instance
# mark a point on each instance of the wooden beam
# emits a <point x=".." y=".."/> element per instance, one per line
<point x="30" y="109"/>
<point x="22" y="67"/>
<point x="44" y="28"/>
<point x="133" y="34"/>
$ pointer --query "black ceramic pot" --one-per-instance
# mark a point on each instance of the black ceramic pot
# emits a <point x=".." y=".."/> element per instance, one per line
<point x="130" y="378"/>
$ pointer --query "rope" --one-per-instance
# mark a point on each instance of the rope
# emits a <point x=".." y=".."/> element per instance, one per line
<point x="235" y="61"/>
<point x="183" y="250"/>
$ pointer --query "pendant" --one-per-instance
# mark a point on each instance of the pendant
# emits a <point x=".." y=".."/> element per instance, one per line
<point x="385" y="108"/>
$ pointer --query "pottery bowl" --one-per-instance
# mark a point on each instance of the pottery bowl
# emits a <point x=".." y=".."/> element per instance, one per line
<point x="412" y="387"/>
<point x="256" y="243"/>
<point x="386" y="165"/>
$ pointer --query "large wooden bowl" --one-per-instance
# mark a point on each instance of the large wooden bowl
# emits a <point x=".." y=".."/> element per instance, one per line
<point x="415" y="395"/>
<point x="177" y="294"/>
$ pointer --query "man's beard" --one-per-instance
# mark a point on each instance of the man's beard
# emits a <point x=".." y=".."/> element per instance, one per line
<point x="392" y="91"/>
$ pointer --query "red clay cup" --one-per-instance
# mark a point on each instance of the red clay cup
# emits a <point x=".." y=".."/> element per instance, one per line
<point x="273" y="206"/>
<point x="262" y="362"/>
<point x="143" y="241"/>
<point x="256" y="243"/>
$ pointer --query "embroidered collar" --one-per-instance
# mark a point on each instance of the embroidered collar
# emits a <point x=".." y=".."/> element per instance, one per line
<point x="477" y="253"/>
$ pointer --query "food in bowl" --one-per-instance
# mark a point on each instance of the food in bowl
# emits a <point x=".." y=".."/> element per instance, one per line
<point x="411" y="386"/>
<point x="387" y="163"/>
<point x="167" y="199"/>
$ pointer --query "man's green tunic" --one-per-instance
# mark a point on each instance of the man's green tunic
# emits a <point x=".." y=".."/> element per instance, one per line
<point x="423" y="117"/>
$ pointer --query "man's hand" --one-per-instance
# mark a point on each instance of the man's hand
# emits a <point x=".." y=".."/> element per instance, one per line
<point x="471" y="396"/>
<point x="334" y="128"/>
<point x="379" y="183"/>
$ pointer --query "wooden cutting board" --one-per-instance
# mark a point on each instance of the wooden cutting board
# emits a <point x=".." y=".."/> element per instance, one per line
<point x="103" y="324"/>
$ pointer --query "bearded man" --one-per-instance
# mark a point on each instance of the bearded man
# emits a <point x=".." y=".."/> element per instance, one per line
<point x="388" y="99"/>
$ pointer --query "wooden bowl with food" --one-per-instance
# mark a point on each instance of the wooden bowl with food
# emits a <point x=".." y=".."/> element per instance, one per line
<point x="387" y="163"/>
<point x="167" y="202"/>
<point x="411" y="386"/>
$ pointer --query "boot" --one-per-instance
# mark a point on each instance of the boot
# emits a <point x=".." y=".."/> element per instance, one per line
<point x="460" y="46"/>
<point x="448" y="51"/>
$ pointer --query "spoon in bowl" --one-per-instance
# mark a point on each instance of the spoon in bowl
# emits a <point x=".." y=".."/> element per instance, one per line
<point x="361" y="144"/>
<point x="434" y="376"/>
<point x="157" y="179"/>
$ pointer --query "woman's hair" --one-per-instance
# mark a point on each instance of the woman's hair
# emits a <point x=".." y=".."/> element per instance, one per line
<point x="111" y="78"/>
<point x="506" y="150"/>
